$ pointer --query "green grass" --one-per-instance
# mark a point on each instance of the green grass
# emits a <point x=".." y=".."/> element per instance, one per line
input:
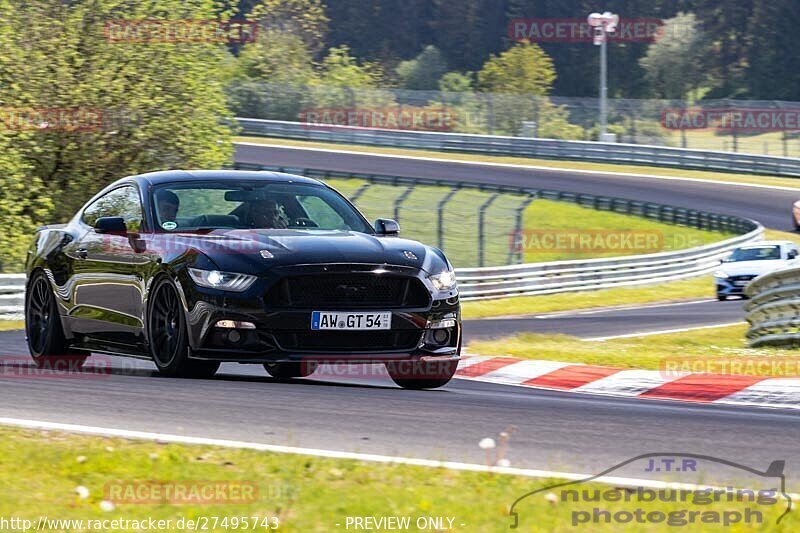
<point x="728" y="177"/>
<point x="769" y="143"/>
<point x="688" y="289"/>
<point x="41" y="470"/>
<point x="568" y="220"/>
<point x="460" y="222"/>
<point x="715" y="350"/>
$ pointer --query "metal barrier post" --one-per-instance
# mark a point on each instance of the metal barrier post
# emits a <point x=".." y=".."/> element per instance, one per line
<point x="440" y="216"/>
<point x="361" y="190"/>
<point x="518" y="230"/>
<point x="481" y="232"/>
<point x="399" y="201"/>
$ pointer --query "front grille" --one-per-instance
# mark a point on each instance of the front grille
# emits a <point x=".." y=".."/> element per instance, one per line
<point x="348" y="291"/>
<point x="742" y="278"/>
<point x="355" y="341"/>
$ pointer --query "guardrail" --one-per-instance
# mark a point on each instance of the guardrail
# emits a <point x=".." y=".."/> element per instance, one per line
<point x="12" y="296"/>
<point x="637" y="154"/>
<point x="576" y="275"/>
<point x="773" y="310"/>
<point x="543" y="278"/>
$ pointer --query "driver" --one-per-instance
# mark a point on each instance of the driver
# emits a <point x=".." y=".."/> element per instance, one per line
<point x="268" y="214"/>
<point x="168" y="204"/>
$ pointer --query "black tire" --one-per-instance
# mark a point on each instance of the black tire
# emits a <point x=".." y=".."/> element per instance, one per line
<point x="290" y="370"/>
<point x="43" y="330"/>
<point x="721" y="297"/>
<point x="417" y="375"/>
<point x="168" y="335"/>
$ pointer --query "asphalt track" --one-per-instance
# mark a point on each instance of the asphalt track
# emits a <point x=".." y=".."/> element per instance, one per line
<point x="771" y="207"/>
<point x="611" y="322"/>
<point x="366" y="413"/>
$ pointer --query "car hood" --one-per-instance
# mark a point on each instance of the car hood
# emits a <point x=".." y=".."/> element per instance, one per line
<point x="755" y="268"/>
<point x="245" y="250"/>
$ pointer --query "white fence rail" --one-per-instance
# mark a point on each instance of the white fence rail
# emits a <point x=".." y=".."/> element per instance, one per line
<point x="533" y="278"/>
<point x="12" y="296"/>
<point x="527" y="147"/>
<point x="591" y="274"/>
<point x="773" y="310"/>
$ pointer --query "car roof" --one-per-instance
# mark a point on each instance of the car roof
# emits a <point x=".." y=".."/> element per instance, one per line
<point x="175" y="176"/>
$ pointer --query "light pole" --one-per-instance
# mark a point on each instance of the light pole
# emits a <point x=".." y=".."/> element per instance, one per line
<point x="603" y="25"/>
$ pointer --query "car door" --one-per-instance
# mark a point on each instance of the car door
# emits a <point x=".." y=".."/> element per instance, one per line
<point x="106" y="285"/>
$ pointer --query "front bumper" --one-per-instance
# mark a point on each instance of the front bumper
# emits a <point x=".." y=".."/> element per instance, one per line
<point x="730" y="287"/>
<point x="283" y="334"/>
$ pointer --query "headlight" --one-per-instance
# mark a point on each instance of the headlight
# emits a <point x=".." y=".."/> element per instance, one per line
<point x="444" y="280"/>
<point x="226" y="281"/>
<point x="719" y="274"/>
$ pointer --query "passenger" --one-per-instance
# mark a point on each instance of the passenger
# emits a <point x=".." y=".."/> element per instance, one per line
<point x="168" y="204"/>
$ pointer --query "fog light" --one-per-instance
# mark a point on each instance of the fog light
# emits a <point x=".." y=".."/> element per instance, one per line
<point x="435" y="338"/>
<point x="440" y="336"/>
<point x="235" y="324"/>
<point x="234" y="336"/>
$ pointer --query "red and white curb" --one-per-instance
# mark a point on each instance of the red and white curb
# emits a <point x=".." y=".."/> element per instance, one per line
<point x="644" y="384"/>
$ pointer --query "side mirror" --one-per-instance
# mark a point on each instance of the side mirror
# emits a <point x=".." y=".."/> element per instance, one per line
<point x="792" y="254"/>
<point x="110" y="225"/>
<point x="386" y="226"/>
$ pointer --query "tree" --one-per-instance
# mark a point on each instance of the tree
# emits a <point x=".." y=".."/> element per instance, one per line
<point x="341" y="69"/>
<point x="455" y="82"/>
<point x="383" y="30"/>
<point x="726" y="24"/>
<point x="424" y="71"/>
<point x="674" y="65"/>
<point x="523" y="69"/>
<point x="24" y="203"/>
<point x="160" y="105"/>
<point x="518" y="82"/>
<point x="305" y="19"/>
<point x="468" y="31"/>
<point x="772" y="52"/>
<point x="270" y="77"/>
<point x="345" y="82"/>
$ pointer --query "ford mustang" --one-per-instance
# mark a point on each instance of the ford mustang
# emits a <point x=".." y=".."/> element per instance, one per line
<point x="192" y="269"/>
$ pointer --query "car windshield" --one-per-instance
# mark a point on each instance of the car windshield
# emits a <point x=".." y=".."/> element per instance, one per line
<point x="759" y="253"/>
<point x="254" y="205"/>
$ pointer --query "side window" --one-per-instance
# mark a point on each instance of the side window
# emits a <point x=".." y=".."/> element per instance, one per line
<point x="322" y="213"/>
<point x="123" y="202"/>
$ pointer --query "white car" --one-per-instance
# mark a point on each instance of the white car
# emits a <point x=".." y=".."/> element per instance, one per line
<point x="748" y="262"/>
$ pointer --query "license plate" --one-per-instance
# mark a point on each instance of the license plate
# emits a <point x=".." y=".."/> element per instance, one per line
<point x="350" y="321"/>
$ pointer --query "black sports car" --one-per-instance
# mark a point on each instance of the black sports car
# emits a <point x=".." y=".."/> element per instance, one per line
<point x="191" y="269"/>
